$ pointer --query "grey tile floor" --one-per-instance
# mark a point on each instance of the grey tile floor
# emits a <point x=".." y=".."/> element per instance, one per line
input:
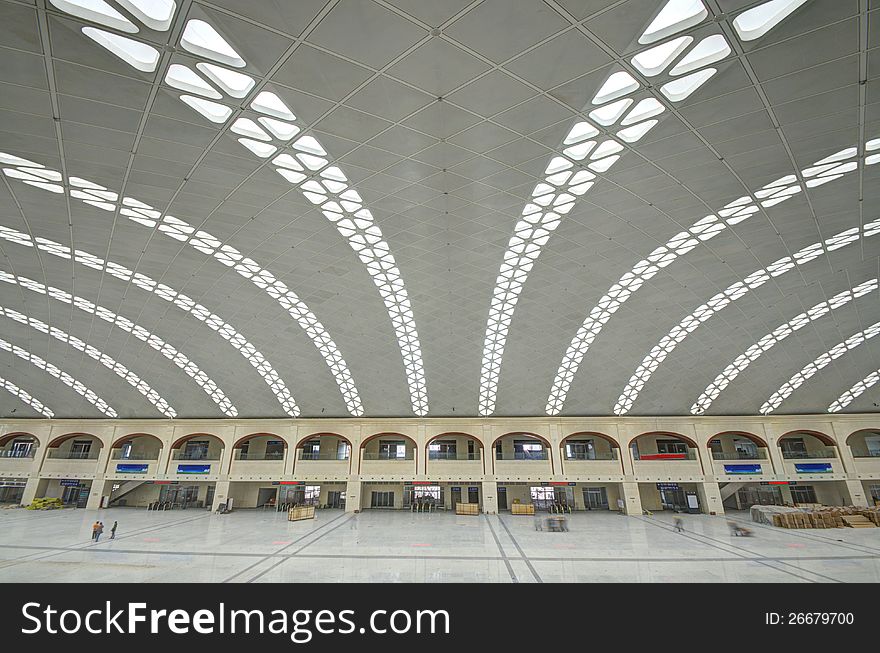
<point x="389" y="546"/>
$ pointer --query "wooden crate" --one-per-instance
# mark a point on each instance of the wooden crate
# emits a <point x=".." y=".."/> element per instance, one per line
<point x="300" y="512"/>
<point x="467" y="509"/>
<point x="522" y="509"/>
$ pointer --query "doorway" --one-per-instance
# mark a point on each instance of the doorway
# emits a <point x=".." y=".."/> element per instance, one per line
<point x="336" y="499"/>
<point x="595" y="498"/>
<point x="382" y="500"/>
<point x="502" y="497"/>
<point x="673" y="499"/>
<point x="456" y="495"/>
<point x="803" y="494"/>
<point x="474" y="494"/>
<point x="266" y="495"/>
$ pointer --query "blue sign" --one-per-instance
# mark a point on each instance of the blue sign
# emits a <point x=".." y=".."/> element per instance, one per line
<point x="742" y="469"/>
<point x="68" y="482"/>
<point x="131" y="469"/>
<point x="812" y="468"/>
<point x="193" y="469"/>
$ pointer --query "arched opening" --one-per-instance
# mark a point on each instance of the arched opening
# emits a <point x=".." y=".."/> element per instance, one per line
<point x="454" y="445"/>
<point x="737" y="445"/>
<point x="75" y="446"/>
<point x="137" y="446"/>
<point x="800" y="445"/>
<point x="589" y="445"/>
<point x="864" y="443"/>
<point x="259" y="446"/>
<point x="663" y="445"/>
<point x="324" y="446"/>
<point x="197" y="446"/>
<point x="388" y="448"/>
<point x="521" y="446"/>
<point x="18" y="445"/>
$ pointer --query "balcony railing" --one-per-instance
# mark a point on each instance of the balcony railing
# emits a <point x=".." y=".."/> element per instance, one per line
<point x="266" y="455"/>
<point x="118" y="454"/>
<point x="609" y="455"/>
<point x="379" y="455"/>
<point x="195" y="455"/>
<point x="323" y="455"/>
<point x="867" y="454"/>
<point x="825" y="452"/>
<point x="12" y="453"/>
<point x="522" y="455"/>
<point x="445" y="455"/>
<point x="690" y="455"/>
<point x="73" y="455"/>
<point x="760" y="454"/>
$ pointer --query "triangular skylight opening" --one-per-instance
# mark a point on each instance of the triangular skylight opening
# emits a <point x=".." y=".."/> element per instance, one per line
<point x="677" y="90"/>
<point x="97" y="11"/>
<point x="287" y="161"/>
<point x="610" y="113"/>
<point x="647" y="108"/>
<point x="675" y="16"/>
<point x="233" y="83"/>
<point x="654" y="61"/>
<point x="606" y="148"/>
<point x="136" y="54"/>
<point x="604" y="164"/>
<point x="756" y="22"/>
<point x="213" y="111"/>
<point x="186" y="79"/>
<point x="619" y="84"/>
<point x="247" y="127"/>
<point x="634" y="133"/>
<point x="272" y="105"/>
<point x="579" y="132"/>
<point x="310" y="145"/>
<point x="155" y="14"/>
<point x="709" y="50"/>
<point x="281" y="130"/>
<point x="262" y="150"/>
<point x="202" y="39"/>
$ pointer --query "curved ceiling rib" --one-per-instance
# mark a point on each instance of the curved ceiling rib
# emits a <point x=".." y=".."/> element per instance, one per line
<point x="155" y="342"/>
<point x="780" y="333"/>
<point x="26" y="397"/>
<point x="820" y="362"/>
<point x="825" y="170"/>
<point x="78" y="387"/>
<point x="758" y="278"/>
<point x="566" y="177"/>
<point x="107" y="361"/>
<point x="202" y="241"/>
<point x="215" y="322"/>
<point x="854" y="392"/>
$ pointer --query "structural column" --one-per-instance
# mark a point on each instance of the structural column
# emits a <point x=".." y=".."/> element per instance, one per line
<point x="221" y="492"/>
<point x="353" y="495"/>
<point x="710" y="497"/>
<point x="856" y="493"/>
<point x="632" y="501"/>
<point x="30" y="490"/>
<point x="490" y="497"/>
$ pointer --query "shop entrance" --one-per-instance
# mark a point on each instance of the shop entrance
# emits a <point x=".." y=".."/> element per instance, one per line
<point x="11" y="491"/>
<point x="336" y="499"/>
<point x="595" y="498"/>
<point x="181" y="496"/>
<point x="266" y="496"/>
<point x="456" y="495"/>
<point x="473" y="494"/>
<point x="382" y="500"/>
<point x="751" y="495"/>
<point x="803" y="494"/>
<point x="543" y="497"/>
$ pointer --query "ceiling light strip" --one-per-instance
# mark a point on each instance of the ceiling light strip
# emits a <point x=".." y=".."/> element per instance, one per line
<point x="155" y="342"/>
<point x="854" y="392"/>
<point x="741" y="209"/>
<point x="720" y="300"/>
<point x="780" y="333"/>
<point x="26" y="397"/>
<point x="819" y="363"/>
<point x="110" y="363"/>
<point x="224" y="329"/>
<point x="78" y="387"/>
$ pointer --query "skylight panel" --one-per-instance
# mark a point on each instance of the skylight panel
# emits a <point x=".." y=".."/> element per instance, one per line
<point x="647" y="108"/>
<point x="709" y="50"/>
<point x="213" y="111"/>
<point x="200" y="38"/>
<point x="155" y="14"/>
<point x="579" y="132"/>
<point x="185" y="79"/>
<point x="610" y="113"/>
<point x="139" y="56"/>
<point x="756" y="22"/>
<point x="679" y="89"/>
<point x="232" y="82"/>
<point x="247" y="127"/>
<point x="654" y="61"/>
<point x="272" y="105"/>
<point x="634" y="133"/>
<point x="619" y="84"/>
<point x="27" y="398"/>
<point x="96" y="11"/>
<point x="281" y="130"/>
<point x="676" y="15"/>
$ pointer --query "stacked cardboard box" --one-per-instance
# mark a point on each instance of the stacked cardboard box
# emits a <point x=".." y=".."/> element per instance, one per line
<point x="823" y="517"/>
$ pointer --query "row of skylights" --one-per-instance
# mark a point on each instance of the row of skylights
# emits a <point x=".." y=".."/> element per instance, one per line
<point x="780" y="333"/>
<point x="146" y="215"/>
<point x="720" y="300"/>
<point x="110" y="363"/>
<point x="26" y="397"/>
<point x="586" y="152"/>
<point x="757" y="21"/>
<point x="810" y="370"/>
<point x="854" y="392"/>
<point x="178" y="358"/>
<point x="733" y="213"/>
<point x="64" y="377"/>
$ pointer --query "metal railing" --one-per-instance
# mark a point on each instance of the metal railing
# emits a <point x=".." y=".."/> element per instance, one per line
<point x="13" y="453"/>
<point x="867" y="454"/>
<point x="825" y="452"/>
<point x="323" y="455"/>
<point x="246" y="455"/>
<point x="761" y="454"/>
<point x="198" y="455"/>
<point x="380" y="455"/>
<point x="443" y="455"/>
<point x="73" y="455"/>
<point x="522" y="455"/>
<point x="666" y="457"/>
<point x="134" y="455"/>
<point x="611" y="455"/>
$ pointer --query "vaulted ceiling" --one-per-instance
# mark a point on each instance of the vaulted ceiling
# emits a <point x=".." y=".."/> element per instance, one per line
<point x="411" y="207"/>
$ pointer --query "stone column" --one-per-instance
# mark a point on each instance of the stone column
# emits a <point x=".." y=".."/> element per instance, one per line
<point x="353" y="495"/>
<point x="857" y="495"/>
<point x="710" y="497"/>
<point x="631" y="498"/>
<point x="490" y="497"/>
<point x="221" y="493"/>
<point x="30" y="490"/>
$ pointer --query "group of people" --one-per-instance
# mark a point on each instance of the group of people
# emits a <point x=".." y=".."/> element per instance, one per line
<point x="98" y="529"/>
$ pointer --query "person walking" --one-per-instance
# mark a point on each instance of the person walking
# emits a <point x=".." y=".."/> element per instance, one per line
<point x="113" y="530"/>
<point x="95" y="529"/>
<point x="679" y="525"/>
<point x="98" y="531"/>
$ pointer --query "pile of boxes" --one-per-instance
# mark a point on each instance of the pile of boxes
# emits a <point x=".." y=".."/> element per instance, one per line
<point x="824" y="517"/>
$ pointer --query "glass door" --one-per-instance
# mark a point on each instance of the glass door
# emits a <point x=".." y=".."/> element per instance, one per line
<point x="595" y="498"/>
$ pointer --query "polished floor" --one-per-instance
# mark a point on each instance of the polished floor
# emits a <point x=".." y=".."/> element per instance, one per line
<point x="389" y="546"/>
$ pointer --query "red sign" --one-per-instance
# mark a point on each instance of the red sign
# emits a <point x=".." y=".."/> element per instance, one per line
<point x="663" y="456"/>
